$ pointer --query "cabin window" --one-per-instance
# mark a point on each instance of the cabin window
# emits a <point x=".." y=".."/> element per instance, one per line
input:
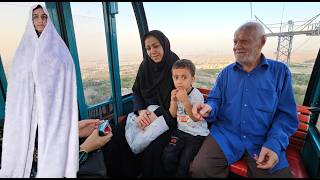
<point x="198" y="32"/>
<point x="203" y="33"/>
<point x="13" y="19"/>
<point x="129" y="46"/>
<point x="90" y="36"/>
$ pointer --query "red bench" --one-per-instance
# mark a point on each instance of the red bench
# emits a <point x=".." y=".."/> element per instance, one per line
<point x="296" y="142"/>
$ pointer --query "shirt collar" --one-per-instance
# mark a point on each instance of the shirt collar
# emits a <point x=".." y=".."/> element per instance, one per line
<point x="190" y="91"/>
<point x="263" y="63"/>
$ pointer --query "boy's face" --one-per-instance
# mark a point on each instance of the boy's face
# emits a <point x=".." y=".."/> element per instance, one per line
<point x="182" y="78"/>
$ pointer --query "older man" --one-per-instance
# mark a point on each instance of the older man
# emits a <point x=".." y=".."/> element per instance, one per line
<point x="252" y="111"/>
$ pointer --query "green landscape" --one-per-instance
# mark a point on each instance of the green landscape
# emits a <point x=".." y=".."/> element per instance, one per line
<point x="97" y="85"/>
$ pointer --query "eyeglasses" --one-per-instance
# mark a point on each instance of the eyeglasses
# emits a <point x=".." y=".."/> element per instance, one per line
<point x="43" y="17"/>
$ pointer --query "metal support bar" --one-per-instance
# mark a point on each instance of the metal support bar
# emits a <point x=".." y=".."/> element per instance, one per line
<point x="3" y="91"/>
<point x="141" y="18"/>
<point x="312" y="97"/>
<point x="109" y="12"/>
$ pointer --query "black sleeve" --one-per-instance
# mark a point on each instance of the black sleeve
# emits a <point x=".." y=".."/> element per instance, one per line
<point x="138" y="103"/>
<point x="171" y="122"/>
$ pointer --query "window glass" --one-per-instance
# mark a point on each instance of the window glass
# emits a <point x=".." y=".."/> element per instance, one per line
<point x="129" y="46"/>
<point x="89" y="30"/>
<point x="13" y="19"/>
<point x="203" y="33"/>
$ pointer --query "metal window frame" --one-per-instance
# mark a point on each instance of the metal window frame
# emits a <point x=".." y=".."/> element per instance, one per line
<point x="312" y="96"/>
<point x="3" y="91"/>
<point x="109" y="12"/>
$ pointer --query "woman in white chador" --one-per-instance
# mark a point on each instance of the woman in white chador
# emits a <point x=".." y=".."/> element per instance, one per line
<point x="41" y="94"/>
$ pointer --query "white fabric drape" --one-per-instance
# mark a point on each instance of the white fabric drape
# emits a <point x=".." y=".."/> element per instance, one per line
<point x="41" y="92"/>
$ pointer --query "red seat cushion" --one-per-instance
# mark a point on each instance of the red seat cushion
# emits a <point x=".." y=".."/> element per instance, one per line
<point x="239" y="168"/>
<point x="293" y="157"/>
<point x="122" y="118"/>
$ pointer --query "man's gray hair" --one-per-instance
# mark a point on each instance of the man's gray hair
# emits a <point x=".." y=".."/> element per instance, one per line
<point x="253" y="25"/>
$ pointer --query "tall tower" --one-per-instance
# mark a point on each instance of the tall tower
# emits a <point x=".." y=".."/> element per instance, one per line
<point x="285" y="38"/>
<point x="285" y="44"/>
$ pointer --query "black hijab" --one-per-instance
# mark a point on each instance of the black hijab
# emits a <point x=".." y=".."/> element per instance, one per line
<point x="154" y="79"/>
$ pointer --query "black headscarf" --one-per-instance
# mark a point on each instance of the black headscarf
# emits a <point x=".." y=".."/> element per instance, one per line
<point x="154" y="80"/>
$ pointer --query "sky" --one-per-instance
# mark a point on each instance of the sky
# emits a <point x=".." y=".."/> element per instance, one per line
<point x="209" y="27"/>
<point x="194" y="29"/>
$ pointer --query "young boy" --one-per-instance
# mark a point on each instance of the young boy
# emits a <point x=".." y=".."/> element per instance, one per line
<point x="187" y="139"/>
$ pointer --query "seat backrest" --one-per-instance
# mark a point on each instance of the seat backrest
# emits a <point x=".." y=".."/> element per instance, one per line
<point x="297" y="140"/>
<point x="205" y="92"/>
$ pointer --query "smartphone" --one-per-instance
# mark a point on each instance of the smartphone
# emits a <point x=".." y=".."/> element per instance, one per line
<point x="104" y="128"/>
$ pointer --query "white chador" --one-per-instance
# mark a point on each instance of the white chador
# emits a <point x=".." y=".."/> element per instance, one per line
<point x="41" y="93"/>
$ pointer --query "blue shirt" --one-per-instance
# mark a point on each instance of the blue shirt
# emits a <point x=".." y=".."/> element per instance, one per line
<point x="251" y="110"/>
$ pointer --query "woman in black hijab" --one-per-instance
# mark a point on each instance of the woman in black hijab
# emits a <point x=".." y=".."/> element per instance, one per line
<point x="153" y="86"/>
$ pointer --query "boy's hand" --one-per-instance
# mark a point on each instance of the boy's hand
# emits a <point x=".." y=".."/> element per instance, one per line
<point x="174" y="95"/>
<point x="182" y="95"/>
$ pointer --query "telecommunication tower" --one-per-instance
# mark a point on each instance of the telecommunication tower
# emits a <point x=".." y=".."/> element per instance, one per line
<point x="285" y="37"/>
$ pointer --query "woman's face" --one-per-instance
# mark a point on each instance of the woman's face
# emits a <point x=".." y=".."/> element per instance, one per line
<point x="154" y="49"/>
<point x="39" y="19"/>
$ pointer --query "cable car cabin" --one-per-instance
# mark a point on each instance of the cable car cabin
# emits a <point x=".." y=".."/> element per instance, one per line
<point x="104" y="39"/>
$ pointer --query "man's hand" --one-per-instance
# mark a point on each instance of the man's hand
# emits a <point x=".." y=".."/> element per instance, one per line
<point x="87" y="126"/>
<point x="267" y="159"/>
<point x="201" y="111"/>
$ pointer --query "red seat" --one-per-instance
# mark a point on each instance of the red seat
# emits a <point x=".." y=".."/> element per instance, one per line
<point x="240" y="168"/>
<point x="295" y="163"/>
<point x="122" y="118"/>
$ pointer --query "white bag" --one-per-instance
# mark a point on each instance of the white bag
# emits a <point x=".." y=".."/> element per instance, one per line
<point x="139" y="139"/>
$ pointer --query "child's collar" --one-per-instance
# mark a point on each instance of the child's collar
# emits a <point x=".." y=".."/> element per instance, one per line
<point x="190" y="90"/>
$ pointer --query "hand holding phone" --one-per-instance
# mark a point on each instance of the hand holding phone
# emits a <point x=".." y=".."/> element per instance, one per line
<point x="104" y="128"/>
